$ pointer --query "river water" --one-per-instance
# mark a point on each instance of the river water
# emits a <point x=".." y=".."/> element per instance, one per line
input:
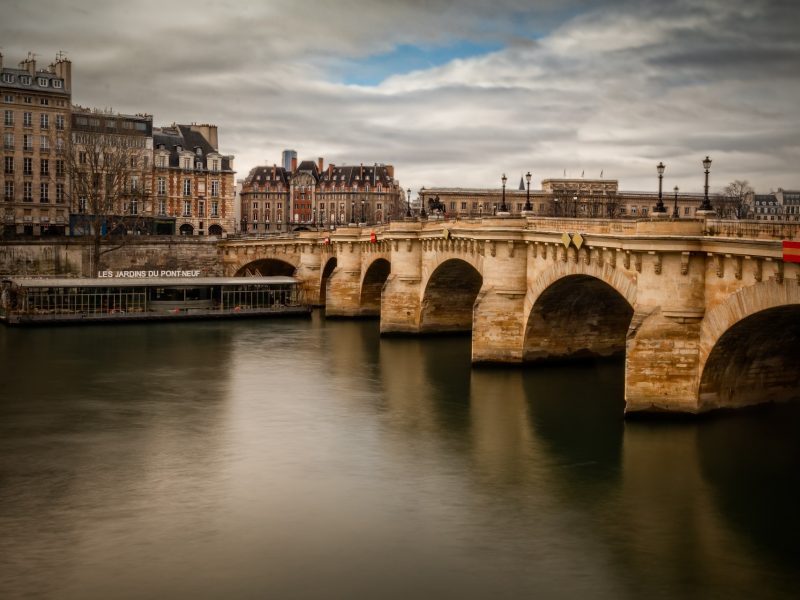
<point x="313" y="459"/>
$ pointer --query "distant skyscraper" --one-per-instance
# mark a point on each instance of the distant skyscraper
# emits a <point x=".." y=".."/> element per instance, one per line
<point x="288" y="157"/>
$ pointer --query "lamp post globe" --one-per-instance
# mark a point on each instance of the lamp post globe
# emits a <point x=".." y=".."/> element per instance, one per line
<point x="675" y="213"/>
<point x="660" y="210"/>
<point x="528" y="206"/>
<point x="503" y="207"/>
<point x="705" y="207"/>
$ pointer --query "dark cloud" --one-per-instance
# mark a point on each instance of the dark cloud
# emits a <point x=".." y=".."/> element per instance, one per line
<point x="578" y="85"/>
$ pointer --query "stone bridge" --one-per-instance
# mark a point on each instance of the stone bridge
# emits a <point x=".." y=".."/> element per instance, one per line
<point x="706" y="313"/>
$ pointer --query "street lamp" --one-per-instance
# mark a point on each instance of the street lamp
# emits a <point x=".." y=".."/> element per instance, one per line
<point x="422" y="213"/>
<point x="503" y="207"/>
<point x="362" y="212"/>
<point x="705" y="207"/>
<point x="660" y="209"/>
<point x="528" y="206"/>
<point x="675" y="213"/>
<point x="353" y="211"/>
<point x="408" y="204"/>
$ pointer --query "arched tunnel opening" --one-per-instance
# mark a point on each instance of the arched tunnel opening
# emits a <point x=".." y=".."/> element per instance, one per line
<point x="266" y="267"/>
<point x="450" y="297"/>
<point x="327" y="271"/>
<point x="755" y="361"/>
<point x="577" y="317"/>
<point x="372" y="286"/>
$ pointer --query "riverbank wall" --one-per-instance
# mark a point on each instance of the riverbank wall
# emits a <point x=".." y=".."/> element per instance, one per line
<point x="68" y="257"/>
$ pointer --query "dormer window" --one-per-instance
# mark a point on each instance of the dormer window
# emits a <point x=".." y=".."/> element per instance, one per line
<point x="57" y="83"/>
<point x="42" y="81"/>
<point x="25" y="79"/>
<point x="8" y="78"/>
<point x="198" y="165"/>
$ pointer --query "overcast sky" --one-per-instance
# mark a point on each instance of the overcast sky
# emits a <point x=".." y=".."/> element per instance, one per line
<point x="453" y="93"/>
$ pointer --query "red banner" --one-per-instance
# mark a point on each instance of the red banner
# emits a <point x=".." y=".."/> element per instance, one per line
<point x="791" y="252"/>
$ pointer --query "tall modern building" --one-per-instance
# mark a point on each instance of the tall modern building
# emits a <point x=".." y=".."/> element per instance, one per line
<point x="36" y="127"/>
<point x="289" y="160"/>
<point x="275" y="199"/>
<point x="192" y="181"/>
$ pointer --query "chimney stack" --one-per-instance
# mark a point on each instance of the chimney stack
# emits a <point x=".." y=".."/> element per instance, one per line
<point x="319" y="164"/>
<point x="294" y="164"/>
<point x="29" y="64"/>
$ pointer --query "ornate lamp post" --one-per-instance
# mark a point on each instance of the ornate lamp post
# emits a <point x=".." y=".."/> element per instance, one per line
<point x="705" y="207"/>
<point x="408" y="204"/>
<point x="503" y="207"/>
<point x="675" y="213"/>
<point x="352" y="211"/>
<point x="660" y="210"/>
<point x="362" y="211"/>
<point x="528" y="206"/>
<point x="422" y="213"/>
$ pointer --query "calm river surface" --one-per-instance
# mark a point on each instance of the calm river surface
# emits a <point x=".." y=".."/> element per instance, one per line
<point x="312" y="459"/>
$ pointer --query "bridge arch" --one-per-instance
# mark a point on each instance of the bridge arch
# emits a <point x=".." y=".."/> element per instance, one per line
<point x="375" y="276"/>
<point x="327" y="271"/>
<point x="449" y="297"/>
<point x="578" y="311"/>
<point x="748" y="348"/>
<point x="266" y="267"/>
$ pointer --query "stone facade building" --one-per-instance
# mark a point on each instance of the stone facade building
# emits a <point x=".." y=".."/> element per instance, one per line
<point x="110" y="166"/>
<point x="311" y="195"/>
<point x="36" y="125"/>
<point x="595" y="198"/>
<point x="192" y="181"/>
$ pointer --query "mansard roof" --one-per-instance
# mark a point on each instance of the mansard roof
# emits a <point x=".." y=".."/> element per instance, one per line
<point x="184" y="137"/>
<point x="265" y="174"/>
<point x="347" y="174"/>
<point x="336" y="175"/>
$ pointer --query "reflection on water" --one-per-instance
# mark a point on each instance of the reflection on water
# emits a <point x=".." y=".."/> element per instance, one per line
<point x="313" y="459"/>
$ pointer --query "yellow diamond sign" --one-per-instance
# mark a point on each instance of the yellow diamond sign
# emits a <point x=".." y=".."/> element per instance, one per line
<point x="577" y="239"/>
<point x="565" y="239"/>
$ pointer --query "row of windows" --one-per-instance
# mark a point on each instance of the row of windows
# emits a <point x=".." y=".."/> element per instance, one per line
<point x="27" y="192"/>
<point x="162" y="161"/>
<point x="27" y="142"/>
<point x="27" y="119"/>
<point x="187" y="187"/>
<point x="201" y="208"/>
<point x="27" y="166"/>
<point x="9" y="99"/>
<point x="94" y="122"/>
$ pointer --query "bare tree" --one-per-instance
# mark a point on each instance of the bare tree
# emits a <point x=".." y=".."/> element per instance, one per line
<point x="109" y="188"/>
<point x="736" y="198"/>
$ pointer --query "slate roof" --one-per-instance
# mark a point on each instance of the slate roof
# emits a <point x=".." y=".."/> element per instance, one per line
<point x="264" y="174"/>
<point x="184" y="136"/>
<point x="33" y="86"/>
<point x="343" y="175"/>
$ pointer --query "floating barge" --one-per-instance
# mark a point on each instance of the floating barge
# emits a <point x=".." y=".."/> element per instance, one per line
<point x="29" y="301"/>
